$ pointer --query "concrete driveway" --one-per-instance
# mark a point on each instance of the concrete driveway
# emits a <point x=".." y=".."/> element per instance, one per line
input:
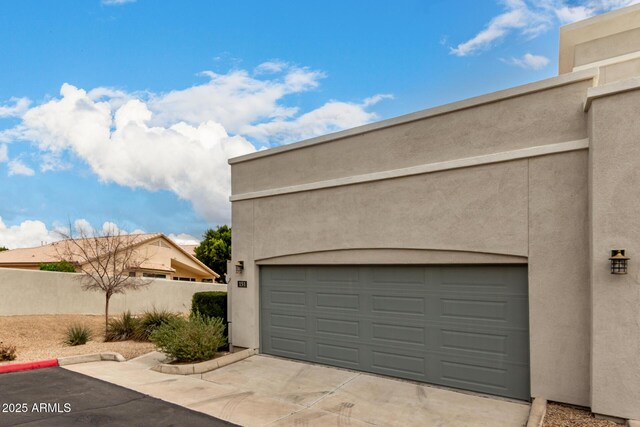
<point x="263" y="390"/>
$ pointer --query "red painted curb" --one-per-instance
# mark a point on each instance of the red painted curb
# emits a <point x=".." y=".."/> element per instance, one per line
<point x="25" y="366"/>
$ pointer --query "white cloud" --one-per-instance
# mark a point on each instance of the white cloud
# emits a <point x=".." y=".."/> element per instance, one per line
<point x="116" y="2"/>
<point x="16" y="167"/>
<point x="82" y="227"/>
<point x="32" y="233"/>
<point x="568" y="14"/>
<point x="331" y="117"/>
<point x="189" y="160"/>
<point x="530" y="61"/>
<point x="27" y="234"/>
<point x="373" y="100"/>
<point x="179" y="141"/>
<point x="233" y="99"/>
<point x="184" y="239"/>
<point x="530" y="18"/>
<point x="20" y="105"/>
<point x="50" y="162"/>
<point x="518" y="16"/>
<point x="270" y="67"/>
<point x="4" y="153"/>
<point x="577" y="11"/>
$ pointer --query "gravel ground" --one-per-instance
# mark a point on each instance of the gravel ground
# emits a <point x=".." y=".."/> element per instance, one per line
<point x="559" y="415"/>
<point x="40" y="337"/>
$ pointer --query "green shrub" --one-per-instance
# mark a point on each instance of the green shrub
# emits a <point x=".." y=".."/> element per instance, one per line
<point x="63" y="266"/>
<point x="190" y="340"/>
<point x="150" y="320"/>
<point x="210" y="304"/>
<point x="77" y="335"/>
<point x="7" y="352"/>
<point x="121" y="328"/>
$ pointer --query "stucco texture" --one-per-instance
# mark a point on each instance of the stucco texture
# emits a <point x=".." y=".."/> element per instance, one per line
<point x="615" y="197"/>
<point x="27" y="292"/>
<point x="559" y="277"/>
<point x="540" y="118"/>
<point x="560" y="211"/>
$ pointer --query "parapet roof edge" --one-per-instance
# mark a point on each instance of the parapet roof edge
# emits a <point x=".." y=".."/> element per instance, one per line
<point x="562" y="80"/>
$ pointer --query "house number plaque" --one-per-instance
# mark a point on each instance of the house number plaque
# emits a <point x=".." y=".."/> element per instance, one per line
<point x="242" y="283"/>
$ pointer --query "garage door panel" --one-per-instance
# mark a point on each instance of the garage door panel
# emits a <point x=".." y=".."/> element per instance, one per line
<point x="479" y="342"/>
<point x="433" y="324"/>
<point x="496" y="280"/>
<point x="337" y="275"/>
<point x="285" y="298"/>
<point x="398" y="276"/>
<point x="338" y="327"/>
<point x="398" y="305"/>
<point x="337" y="300"/>
<point x="491" y="311"/>
<point x="288" y="346"/>
<point x="487" y="343"/>
<point x="472" y="376"/>
<point x="402" y="365"/>
<point x="487" y="376"/>
<point x="342" y="353"/>
<point x="286" y="274"/>
<point x="468" y="309"/>
<point x="399" y="334"/>
<point x="288" y="321"/>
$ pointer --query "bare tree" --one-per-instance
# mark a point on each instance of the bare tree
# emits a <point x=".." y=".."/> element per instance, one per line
<point x="105" y="260"/>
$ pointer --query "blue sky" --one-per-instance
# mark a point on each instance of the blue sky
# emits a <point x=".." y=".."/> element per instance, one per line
<point x="127" y="111"/>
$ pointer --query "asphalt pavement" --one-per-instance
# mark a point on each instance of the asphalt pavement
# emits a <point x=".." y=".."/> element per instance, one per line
<point x="56" y="396"/>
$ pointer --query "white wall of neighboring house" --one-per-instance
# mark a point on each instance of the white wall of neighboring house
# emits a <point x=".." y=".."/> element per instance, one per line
<point x="25" y="292"/>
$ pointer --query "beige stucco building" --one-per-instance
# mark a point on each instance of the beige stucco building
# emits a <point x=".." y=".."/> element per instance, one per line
<point x="466" y="245"/>
<point x="153" y="255"/>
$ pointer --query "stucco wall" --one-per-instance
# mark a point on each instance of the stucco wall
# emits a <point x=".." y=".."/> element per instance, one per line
<point x="40" y="292"/>
<point x="619" y="71"/>
<point x="615" y="299"/>
<point x="481" y="209"/>
<point x="540" y="118"/>
<point x="533" y="209"/>
<point x="607" y="47"/>
<point x="561" y="212"/>
<point x="598" y="27"/>
<point x="559" y="303"/>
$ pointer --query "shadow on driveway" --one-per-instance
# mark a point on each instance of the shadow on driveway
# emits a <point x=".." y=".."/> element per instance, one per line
<point x="56" y="396"/>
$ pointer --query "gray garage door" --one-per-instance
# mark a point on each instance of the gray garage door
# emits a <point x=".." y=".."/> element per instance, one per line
<point x="459" y="326"/>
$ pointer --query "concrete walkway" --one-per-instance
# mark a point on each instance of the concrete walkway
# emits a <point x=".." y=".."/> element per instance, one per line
<point x="262" y="390"/>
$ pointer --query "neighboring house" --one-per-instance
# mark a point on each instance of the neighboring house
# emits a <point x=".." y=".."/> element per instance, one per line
<point x="466" y="245"/>
<point x="156" y="256"/>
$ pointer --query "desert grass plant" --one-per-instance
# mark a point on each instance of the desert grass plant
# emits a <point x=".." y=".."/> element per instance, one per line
<point x="77" y="334"/>
<point x="190" y="340"/>
<point x="7" y="352"/>
<point x="121" y="328"/>
<point x="150" y="320"/>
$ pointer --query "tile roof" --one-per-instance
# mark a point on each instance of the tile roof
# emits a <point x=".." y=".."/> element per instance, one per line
<point x="53" y="252"/>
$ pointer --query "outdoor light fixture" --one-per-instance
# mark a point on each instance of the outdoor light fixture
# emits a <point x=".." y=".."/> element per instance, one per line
<point x="618" y="261"/>
<point x="240" y="267"/>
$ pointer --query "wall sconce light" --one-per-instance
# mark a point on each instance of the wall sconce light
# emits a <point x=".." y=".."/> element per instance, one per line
<point x="618" y="261"/>
<point x="239" y="267"/>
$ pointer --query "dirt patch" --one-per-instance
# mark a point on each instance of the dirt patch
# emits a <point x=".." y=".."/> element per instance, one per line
<point x="559" y="415"/>
<point x="40" y="337"/>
